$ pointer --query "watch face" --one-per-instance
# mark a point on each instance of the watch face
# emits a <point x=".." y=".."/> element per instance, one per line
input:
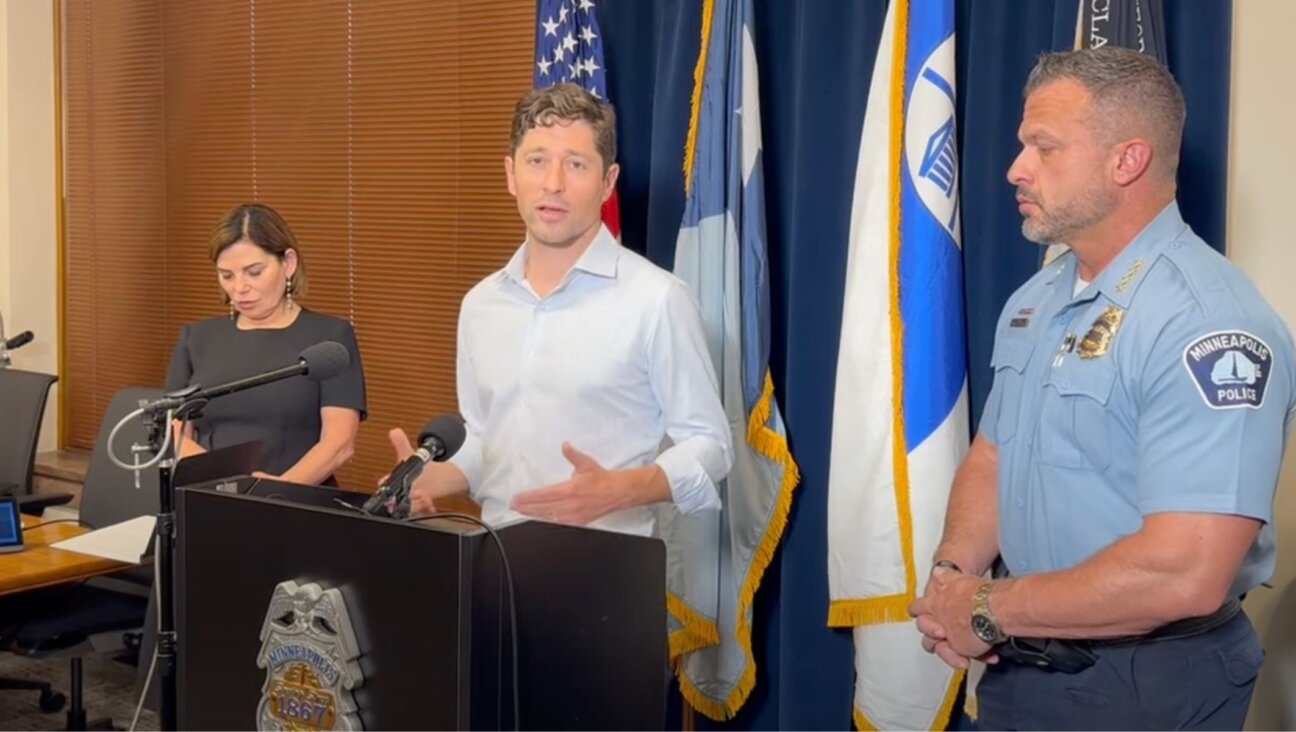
<point x="985" y="628"/>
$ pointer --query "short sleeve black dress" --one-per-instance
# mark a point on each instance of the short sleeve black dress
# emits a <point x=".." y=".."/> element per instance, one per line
<point x="284" y="415"/>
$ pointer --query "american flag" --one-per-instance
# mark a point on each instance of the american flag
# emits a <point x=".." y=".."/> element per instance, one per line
<point x="569" y="48"/>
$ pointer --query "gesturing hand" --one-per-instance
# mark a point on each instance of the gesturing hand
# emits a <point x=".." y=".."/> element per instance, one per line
<point x="592" y="492"/>
<point x="420" y="499"/>
<point x="401" y="445"/>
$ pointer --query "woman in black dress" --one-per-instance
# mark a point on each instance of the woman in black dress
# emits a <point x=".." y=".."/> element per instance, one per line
<point x="307" y="428"/>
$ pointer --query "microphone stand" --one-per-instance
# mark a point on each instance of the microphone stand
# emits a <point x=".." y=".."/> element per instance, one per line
<point x="183" y="405"/>
<point x="158" y="415"/>
<point x="158" y="422"/>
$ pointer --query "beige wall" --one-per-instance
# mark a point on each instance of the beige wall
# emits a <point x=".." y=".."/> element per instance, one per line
<point x="6" y="296"/>
<point x="28" y="238"/>
<point x="1261" y="158"/>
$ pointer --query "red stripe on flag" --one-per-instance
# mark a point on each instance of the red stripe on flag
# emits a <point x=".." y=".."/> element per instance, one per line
<point x="612" y="215"/>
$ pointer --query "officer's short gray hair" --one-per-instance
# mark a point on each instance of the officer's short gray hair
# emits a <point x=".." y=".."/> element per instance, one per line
<point x="1132" y="95"/>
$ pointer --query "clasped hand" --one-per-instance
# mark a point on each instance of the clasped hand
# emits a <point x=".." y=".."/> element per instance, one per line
<point x="944" y="617"/>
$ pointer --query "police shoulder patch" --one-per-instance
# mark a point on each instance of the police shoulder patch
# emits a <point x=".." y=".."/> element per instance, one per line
<point x="1230" y="368"/>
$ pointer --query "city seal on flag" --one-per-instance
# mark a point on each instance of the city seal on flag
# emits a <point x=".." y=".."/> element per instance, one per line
<point x="931" y="144"/>
<point x="309" y="652"/>
<point x="1230" y="368"/>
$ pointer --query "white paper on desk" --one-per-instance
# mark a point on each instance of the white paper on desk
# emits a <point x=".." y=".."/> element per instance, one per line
<point x="123" y="542"/>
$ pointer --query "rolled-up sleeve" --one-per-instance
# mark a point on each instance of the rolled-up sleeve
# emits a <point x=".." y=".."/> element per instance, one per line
<point x="684" y="382"/>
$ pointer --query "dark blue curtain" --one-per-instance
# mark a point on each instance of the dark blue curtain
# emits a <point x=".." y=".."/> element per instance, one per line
<point x="816" y="60"/>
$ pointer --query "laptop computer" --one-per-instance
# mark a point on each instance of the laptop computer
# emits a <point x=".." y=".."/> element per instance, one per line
<point x="272" y="489"/>
<point x="240" y="459"/>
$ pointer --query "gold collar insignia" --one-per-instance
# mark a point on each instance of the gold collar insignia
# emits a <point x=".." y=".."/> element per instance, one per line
<point x="1129" y="276"/>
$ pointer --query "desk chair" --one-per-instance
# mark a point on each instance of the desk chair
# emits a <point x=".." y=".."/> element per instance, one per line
<point x="77" y="621"/>
<point x="22" y="403"/>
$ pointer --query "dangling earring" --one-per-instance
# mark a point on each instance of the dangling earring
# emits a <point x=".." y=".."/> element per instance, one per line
<point x="288" y="291"/>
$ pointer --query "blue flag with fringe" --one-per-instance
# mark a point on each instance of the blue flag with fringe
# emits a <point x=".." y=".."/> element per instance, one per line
<point x="715" y="562"/>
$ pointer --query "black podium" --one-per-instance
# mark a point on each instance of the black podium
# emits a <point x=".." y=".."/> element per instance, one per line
<point x="429" y="611"/>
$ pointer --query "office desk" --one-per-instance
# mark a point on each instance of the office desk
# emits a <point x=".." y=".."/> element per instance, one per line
<point x="39" y="565"/>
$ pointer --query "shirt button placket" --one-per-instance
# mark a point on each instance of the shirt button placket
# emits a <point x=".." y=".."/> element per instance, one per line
<point x="529" y="365"/>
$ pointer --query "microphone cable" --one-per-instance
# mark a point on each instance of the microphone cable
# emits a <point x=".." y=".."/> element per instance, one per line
<point x="512" y="608"/>
<point x="161" y="453"/>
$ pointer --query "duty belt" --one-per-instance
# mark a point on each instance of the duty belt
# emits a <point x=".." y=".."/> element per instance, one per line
<point x="1073" y="656"/>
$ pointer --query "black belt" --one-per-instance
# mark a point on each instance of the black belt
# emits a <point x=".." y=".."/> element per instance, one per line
<point x="1072" y="656"/>
<point x="1185" y="628"/>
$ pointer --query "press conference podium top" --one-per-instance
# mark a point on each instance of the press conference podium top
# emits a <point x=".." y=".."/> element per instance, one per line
<point x="418" y="615"/>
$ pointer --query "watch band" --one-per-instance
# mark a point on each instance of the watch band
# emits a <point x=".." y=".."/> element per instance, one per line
<point x="981" y="600"/>
<point x="947" y="564"/>
<point x="983" y="621"/>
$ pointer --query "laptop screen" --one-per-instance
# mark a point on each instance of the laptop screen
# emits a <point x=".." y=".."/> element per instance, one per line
<point x="238" y="459"/>
<point x="10" y="523"/>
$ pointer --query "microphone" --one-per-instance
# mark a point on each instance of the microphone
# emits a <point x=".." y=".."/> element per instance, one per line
<point x="440" y="438"/>
<point x="19" y="340"/>
<point x="319" y="362"/>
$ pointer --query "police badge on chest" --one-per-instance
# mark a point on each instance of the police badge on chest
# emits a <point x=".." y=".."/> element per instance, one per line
<point x="1098" y="340"/>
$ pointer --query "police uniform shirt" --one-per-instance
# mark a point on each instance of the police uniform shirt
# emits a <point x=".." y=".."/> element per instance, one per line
<point x="1166" y="385"/>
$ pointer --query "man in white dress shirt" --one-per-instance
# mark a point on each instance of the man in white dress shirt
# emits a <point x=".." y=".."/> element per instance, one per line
<point x="579" y="357"/>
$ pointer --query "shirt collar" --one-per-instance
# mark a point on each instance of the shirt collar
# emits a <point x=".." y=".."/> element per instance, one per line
<point x="1120" y="279"/>
<point x="600" y="258"/>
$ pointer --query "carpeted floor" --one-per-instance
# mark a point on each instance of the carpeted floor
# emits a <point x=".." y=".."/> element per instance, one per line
<point x="109" y="689"/>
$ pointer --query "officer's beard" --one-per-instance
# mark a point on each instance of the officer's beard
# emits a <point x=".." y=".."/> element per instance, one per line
<point x="1058" y="224"/>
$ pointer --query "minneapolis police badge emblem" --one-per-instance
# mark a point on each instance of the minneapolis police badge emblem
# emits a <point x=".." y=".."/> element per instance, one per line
<point x="1096" y="342"/>
<point x="1230" y="368"/>
<point x="309" y="652"/>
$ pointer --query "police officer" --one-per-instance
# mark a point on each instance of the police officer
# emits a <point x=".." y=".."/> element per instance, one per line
<point x="1129" y="451"/>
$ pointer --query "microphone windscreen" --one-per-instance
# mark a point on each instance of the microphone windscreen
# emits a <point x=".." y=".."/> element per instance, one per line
<point x="449" y="429"/>
<point x="325" y="360"/>
<point x="19" y="340"/>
